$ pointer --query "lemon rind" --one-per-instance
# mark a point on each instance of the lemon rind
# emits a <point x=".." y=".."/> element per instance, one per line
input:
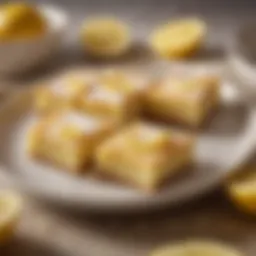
<point x="9" y="220"/>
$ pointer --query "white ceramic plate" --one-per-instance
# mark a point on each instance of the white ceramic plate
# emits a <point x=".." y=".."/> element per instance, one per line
<point x="224" y="144"/>
<point x="242" y="59"/>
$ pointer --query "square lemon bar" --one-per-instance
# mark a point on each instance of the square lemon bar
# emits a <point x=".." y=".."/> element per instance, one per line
<point x="145" y="155"/>
<point x="123" y="82"/>
<point x="68" y="139"/>
<point x="111" y="104"/>
<point x="62" y="92"/>
<point x="184" y="100"/>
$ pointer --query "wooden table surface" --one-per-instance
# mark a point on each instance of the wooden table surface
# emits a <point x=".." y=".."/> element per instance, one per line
<point x="45" y="231"/>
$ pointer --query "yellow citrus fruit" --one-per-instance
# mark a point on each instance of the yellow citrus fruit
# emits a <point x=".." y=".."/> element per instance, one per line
<point x="242" y="189"/>
<point x="178" y="39"/>
<point x="196" y="248"/>
<point x="20" y="20"/>
<point x="10" y="211"/>
<point x="105" y="37"/>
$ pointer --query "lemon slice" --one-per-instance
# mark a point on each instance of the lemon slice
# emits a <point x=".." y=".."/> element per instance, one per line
<point x="178" y="39"/>
<point x="196" y="248"/>
<point x="105" y="37"/>
<point x="242" y="189"/>
<point x="10" y="211"/>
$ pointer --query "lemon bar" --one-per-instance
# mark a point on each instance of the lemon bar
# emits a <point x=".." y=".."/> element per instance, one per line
<point x="63" y="91"/>
<point x="68" y="139"/>
<point x="144" y="155"/>
<point x="106" y="103"/>
<point x="184" y="100"/>
<point x="123" y="82"/>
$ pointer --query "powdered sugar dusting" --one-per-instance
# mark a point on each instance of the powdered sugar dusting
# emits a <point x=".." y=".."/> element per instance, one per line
<point x="86" y="123"/>
<point x="184" y="88"/>
<point x="59" y="87"/>
<point x="106" y="95"/>
<point x="149" y="132"/>
<point x="138" y="82"/>
<point x="63" y="85"/>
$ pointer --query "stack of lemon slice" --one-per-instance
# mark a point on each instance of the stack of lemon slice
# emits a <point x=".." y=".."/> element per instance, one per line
<point x="196" y="248"/>
<point x="177" y="39"/>
<point x="10" y="211"/>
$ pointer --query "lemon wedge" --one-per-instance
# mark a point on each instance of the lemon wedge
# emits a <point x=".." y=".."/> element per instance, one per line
<point x="178" y="39"/>
<point x="242" y="189"/>
<point x="196" y="248"/>
<point x="10" y="211"/>
<point x="105" y="37"/>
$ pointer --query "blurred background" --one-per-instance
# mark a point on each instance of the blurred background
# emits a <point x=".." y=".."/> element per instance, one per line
<point x="222" y="17"/>
<point x="52" y="233"/>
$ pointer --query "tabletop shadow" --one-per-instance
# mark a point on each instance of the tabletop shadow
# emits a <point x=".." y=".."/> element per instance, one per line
<point x="196" y="220"/>
<point x="28" y="247"/>
<point x="209" y="53"/>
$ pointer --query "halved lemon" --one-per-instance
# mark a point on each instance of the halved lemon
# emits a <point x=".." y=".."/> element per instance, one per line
<point x="242" y="189"/>
<point x="196" y="248"/>
<point x="10" y="211"/>
<point x="20" y="20"/>
<point x="105" y="37"/>
<point x="177" y="39"/>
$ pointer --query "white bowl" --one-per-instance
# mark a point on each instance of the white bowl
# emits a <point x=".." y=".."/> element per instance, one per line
<point x="242" y="59"/>
<point x="23" y="54"/>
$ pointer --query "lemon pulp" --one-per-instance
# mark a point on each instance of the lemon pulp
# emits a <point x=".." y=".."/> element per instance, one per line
<point x="177" y="39"/>
<point x="105" y="37"/>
